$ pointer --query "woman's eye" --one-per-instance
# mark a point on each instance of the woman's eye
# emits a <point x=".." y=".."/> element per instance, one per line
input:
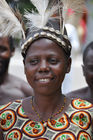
<point x="53" y="60"/>
<point x="33" y="61"/>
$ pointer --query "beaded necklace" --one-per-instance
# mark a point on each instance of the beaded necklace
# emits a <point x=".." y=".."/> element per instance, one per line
<point x="52" y="116"/>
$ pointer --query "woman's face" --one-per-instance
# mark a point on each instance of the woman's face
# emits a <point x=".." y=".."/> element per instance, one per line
<point x="45" y="66"/>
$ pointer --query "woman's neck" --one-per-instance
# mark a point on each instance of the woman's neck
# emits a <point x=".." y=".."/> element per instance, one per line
<point x="46" y="101"/>
<point x="46" y="106"/>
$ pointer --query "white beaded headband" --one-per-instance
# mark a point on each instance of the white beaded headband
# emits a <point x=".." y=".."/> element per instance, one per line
<point x="49" y="33"/>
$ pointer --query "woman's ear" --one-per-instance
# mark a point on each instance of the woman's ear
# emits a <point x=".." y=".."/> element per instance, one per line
<point x="69" y="65"/>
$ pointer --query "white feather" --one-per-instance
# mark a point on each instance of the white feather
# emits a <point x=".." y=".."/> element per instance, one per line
<point x="39" y="20"/>
<point x="41" y="6"/>
<point x="9" y="25"/>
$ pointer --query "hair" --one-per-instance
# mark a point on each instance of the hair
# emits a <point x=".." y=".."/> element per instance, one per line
<point x="86" y="50"/>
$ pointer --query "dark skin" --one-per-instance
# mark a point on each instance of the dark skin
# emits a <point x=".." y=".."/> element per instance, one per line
<point x="11" y="87"/>
<point x="45" y="69"/>
<point x="86" y="93"/>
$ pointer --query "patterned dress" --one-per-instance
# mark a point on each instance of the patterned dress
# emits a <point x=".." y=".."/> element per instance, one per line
<point x="75" y="124"/>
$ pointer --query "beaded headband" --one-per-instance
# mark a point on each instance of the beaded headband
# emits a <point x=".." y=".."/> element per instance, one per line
<point x="42" y="23"/>
<point x="52" y="34"/>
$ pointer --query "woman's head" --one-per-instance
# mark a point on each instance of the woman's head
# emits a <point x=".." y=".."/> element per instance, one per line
<point x="50" y="31"/>
<point x="46" y="65"/>
<point x="46" y="42"/>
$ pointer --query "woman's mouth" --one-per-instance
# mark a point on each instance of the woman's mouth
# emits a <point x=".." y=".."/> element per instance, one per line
<point x="44" y="80"/>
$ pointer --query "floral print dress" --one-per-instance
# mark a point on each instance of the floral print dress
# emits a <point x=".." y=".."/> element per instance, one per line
<point x="75" y="124"/>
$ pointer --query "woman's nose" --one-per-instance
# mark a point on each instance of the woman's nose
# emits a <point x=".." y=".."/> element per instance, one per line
<point x="44" y="67"/>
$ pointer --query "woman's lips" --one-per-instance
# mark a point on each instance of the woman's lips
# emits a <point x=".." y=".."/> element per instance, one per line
<point x="44" y="80"/>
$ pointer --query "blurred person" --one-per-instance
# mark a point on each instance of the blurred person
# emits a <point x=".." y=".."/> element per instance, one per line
<point x="11" y="87"/>
<point x="86" y="92"/>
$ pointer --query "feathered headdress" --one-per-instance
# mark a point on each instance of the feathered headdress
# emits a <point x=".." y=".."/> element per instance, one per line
<point x="49" y="21"/>
<point x="45" y="11"/>
<point x="9" y="23"/>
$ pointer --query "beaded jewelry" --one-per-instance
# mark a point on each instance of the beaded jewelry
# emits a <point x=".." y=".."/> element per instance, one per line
<point x="52" y="115"/>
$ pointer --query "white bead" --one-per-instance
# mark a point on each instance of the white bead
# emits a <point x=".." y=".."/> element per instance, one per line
<point x="36" y="35"/>
<point x="65" y="36"/>
<point x="43" y="33"/>
<point x="53" y="36"/>
<point x="48" y="34"/>
<point x="29" y="40"/>
<point x="51" y="29"/>
<point x="59" y="40"/>
<point x="45" y="28"/>
<point x="63" y="43"/>
<point x="57" y="31"/>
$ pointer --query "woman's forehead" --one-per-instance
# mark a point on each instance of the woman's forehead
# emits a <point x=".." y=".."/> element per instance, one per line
<point x="45" y="47"/>
<point x="45" y="44"/>
<point x="49" y="33"/>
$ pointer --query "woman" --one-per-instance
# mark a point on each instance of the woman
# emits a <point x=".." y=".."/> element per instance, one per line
<point x="48" y="115"/>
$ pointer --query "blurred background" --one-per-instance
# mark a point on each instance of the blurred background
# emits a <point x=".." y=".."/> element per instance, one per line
<point x="84" y="29"/>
